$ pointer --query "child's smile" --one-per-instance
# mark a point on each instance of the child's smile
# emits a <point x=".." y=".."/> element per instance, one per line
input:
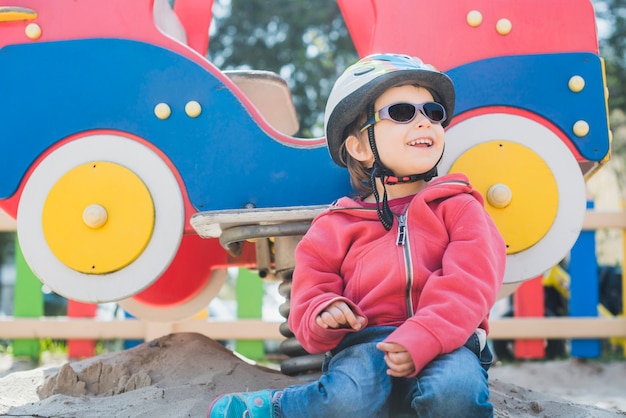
<point x="421" y="142"/>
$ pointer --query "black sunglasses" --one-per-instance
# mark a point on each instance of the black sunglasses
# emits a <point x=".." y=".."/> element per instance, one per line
<point x="406" y="112"/>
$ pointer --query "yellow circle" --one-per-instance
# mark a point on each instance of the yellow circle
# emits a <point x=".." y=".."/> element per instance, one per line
<point x="193" y="109"/>
<point x="581" y="128"/>
<point x="98" y="218"/>
<point x="504" y="26"/>
<point x="474" y="18"/>
<point x="576" y="84"/>
<point x="33" y="31"/>
<point x="499" y="196"/>
<point x="162" y="111"/>
<point x="95" y="216"/>
<point x="533" y="206"/>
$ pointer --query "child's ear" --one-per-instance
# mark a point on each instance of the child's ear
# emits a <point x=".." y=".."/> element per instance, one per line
<point x="358" y="150"/>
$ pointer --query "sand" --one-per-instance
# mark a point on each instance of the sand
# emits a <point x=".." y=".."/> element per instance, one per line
<point x="178" y="375"/>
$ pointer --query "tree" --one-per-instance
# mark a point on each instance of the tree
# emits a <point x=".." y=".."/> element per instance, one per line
<point x="612" y="15"/>
<point x="305" y="42"/>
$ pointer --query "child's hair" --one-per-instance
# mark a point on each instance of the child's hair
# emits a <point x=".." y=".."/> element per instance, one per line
<point x="359" y="174"/>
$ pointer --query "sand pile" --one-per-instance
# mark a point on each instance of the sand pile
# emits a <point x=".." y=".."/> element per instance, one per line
<point x="178" y="375"/>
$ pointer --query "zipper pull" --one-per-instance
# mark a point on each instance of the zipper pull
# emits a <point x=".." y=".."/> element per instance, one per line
<point x="401" y="230"/>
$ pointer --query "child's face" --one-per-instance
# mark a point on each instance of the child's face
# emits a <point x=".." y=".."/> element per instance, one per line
<point x="408" y="148"/>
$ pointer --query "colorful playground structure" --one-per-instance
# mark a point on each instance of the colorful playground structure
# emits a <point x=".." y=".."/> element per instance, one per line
<point x="136" y="169"/>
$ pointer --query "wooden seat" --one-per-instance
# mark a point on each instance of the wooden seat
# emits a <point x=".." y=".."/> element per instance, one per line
<point x="271" y="96"/>
<point x="212" y="224"/>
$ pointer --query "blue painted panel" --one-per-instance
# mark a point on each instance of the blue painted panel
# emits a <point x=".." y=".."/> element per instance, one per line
<point x="539" y="84"/>
<point x="584" y="289"/>
<point x="53" y="90"/>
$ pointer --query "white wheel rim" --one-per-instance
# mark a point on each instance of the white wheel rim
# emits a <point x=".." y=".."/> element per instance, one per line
<point x="180" y="311"/>
<point x="149" y="265"/>
<point x="567" y="225"/>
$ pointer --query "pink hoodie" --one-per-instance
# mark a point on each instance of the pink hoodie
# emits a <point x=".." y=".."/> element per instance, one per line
<point x="452" y="262"/>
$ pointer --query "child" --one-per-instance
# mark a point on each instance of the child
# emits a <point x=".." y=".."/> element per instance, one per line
<point x="396" y="285"/>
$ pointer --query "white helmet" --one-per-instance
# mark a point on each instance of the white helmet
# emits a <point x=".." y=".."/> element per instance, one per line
<point x="367" y="79"/>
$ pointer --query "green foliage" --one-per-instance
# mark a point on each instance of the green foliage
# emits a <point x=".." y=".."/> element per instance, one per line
<point x="612" y="15"/>
<point x="305" y="42"/>
<point x="108" y="346"/>
<point x="611" y="18"/>
<point x="53" y="346"/>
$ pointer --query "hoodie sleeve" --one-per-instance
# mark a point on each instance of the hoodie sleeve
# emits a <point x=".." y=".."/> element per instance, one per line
<point x="456" y="299"/>
<point x="317" y="283"/>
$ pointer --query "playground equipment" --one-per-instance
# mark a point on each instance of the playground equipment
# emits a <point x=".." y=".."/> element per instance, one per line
<point x="115" y="134"/>
<point x="135" y="168"/>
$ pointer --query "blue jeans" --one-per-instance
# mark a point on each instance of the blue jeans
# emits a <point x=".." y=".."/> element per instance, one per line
<point x="355" y="384"/>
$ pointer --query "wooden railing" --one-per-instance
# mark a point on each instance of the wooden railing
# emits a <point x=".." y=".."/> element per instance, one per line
<point x="132" y="329"/>
<point x="6" y="223"/>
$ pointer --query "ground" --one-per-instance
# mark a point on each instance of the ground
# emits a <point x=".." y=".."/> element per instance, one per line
<point x="178" y="375"/>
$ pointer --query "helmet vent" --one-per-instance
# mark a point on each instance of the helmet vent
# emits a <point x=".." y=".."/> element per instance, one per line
<point x="364" y="70"/>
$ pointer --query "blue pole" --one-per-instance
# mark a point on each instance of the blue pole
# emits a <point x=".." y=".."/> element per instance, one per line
<point x="583" y="270"/>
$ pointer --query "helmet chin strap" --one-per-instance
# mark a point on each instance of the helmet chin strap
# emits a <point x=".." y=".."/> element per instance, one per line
<point x="383" y="210"/>
<point x="427" y="176"/>
<point x="388" y="177"/>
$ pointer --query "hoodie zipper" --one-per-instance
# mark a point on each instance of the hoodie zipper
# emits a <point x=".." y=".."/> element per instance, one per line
<point x="402" y="239"/>
<point x="408" y="263"/>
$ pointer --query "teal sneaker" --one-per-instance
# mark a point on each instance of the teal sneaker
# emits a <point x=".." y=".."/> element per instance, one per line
<point x="245" y="404"/>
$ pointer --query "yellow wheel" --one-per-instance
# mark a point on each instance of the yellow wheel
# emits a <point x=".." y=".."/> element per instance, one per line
<point x="532" y="185"/>
<point x="525" y="190"/>
<point x="100" y="218"/>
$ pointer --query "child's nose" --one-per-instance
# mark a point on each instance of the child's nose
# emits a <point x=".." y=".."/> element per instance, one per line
<point x="421" y="120"/>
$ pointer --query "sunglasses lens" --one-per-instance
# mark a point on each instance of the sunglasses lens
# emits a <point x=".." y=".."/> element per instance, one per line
<point x="402" y="112"/>
<point x="434" y="111"/>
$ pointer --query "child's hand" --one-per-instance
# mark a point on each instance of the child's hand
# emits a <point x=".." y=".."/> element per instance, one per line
<point x="397" y="358"/>
<point x="339" y="315"/>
